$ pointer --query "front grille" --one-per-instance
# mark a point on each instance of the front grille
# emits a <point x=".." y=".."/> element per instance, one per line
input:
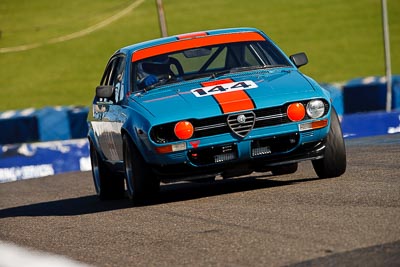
<point x="270" y="117"/>
<point x="210" y="126"/>
<point x="241" y="124"/>
<point x="230" y="123"/>
<point x="226" y="124"/>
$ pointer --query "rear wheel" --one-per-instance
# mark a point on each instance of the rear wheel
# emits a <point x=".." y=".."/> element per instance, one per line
<point x="108" y="185"/>
<point x="334" y="162"/>
<point x="140" y="181"/>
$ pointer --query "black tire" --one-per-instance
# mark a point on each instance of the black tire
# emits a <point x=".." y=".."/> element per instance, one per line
<point x="334" y="162"/>
<point x="141" y="182"/>
<point x="108" y="185"/>
<point x="285" y="169"/>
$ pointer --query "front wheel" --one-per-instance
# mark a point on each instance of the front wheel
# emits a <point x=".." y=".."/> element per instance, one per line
<point x="108" y="185"/>
<point x="334" y="162"/>
<point x="140" y="180"/>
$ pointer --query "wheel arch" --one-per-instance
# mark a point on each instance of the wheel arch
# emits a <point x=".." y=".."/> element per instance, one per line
<point x="137" y="127"/>
<point x="94" y="142"/>
<point x="133" y="136"/>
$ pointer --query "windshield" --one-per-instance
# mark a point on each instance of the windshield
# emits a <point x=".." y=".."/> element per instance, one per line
<point x="212" y="61"/>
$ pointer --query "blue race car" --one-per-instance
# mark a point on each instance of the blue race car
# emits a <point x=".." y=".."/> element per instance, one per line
<point x="194" y="106"/>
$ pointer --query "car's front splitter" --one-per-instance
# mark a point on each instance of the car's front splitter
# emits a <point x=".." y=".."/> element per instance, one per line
<point x="240" y="165"/>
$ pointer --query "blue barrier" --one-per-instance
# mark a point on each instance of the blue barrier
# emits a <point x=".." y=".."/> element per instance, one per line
<point x="42" y="125"/>
<point x="78" y="126"/>
<point x="53" y="124"/>
<point x="369" y="94"/>
<point x="24" y="161"/>
<point x="370" y="124"/>
<point x="336" y="96"/>
<point x="18" y="127"/>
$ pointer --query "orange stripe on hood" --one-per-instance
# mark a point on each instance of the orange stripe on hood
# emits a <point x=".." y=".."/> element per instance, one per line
<point x="234" y="101"/>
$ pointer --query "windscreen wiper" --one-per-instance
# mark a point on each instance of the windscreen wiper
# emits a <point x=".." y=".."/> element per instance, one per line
<point x="233" y="70"/>
<point x="219" y="73"/>
<point x="247" y="68"/>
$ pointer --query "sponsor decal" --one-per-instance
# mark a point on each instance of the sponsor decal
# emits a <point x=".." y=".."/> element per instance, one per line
<point x="25" y="172"/>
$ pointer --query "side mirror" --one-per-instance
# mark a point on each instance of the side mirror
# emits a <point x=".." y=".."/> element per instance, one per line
<point x="299" y="59"/>
<point x="104" y="91"/>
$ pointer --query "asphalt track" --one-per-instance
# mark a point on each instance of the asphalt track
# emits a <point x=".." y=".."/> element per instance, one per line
<point x="257" y="220"/>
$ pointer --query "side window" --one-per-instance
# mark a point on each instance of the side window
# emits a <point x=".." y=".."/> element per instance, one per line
<point x="271" y="54"/>
<point x="107" y="74"/>
<point x="117" y="78"/>
<point x="113" y="75"/>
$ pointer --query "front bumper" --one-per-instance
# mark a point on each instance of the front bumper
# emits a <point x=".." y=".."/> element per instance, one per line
<point x="251" y="155"/>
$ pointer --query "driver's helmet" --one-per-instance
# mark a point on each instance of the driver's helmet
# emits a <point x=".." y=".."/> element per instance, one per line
<point x="152" y="70"/>
<point x="157" y="65"/>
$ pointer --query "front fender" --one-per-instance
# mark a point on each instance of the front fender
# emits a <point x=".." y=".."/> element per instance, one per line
<point x="137" y="128"/>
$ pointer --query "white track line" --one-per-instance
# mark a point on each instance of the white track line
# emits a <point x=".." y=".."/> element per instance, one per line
<point x="75" y="35"/>
<point x="14" y="256"/>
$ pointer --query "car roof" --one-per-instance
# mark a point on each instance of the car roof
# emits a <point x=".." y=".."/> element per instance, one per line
<point x="171" y="43"/>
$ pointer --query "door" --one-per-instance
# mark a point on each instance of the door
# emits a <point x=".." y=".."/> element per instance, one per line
<point x="108" y="116"/>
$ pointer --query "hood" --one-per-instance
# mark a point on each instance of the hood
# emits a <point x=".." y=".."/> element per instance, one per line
<point x="199" y="99"/>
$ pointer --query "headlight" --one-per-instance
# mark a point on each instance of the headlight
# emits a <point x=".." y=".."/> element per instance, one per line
<point x="315" y="108"/>
<point x="183" y="130"/>
<point x="158" y="135"/>
<point x="296" y="112"/>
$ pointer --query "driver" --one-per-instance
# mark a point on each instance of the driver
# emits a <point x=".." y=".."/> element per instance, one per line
<point x="145" y="79"/>
<point x="149" y="70"/>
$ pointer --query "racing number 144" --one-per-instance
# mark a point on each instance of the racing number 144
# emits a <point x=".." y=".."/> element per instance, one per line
<point x="223" y="88"/>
